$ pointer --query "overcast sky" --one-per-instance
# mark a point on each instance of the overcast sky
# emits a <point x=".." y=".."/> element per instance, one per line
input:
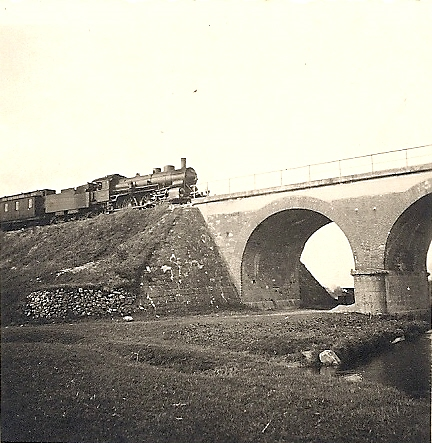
<point x="90" y="88"/>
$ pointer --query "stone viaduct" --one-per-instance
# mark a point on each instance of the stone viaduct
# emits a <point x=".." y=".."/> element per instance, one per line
<point x="386" y="217"/>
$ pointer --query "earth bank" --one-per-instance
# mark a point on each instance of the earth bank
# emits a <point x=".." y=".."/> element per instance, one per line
<point x="157" y="261"/>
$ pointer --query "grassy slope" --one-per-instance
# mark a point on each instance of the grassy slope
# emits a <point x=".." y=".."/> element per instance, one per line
<point x="33" y="258"/>
<point x="113" y="251"/>
<point x="197" y="379"/>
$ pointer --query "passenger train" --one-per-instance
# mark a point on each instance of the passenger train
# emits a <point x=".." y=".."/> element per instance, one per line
<point x="102" y="195"/>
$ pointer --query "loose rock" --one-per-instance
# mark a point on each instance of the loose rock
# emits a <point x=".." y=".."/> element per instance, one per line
<point x="398" y="339"/>
<point x="329" y="358"/>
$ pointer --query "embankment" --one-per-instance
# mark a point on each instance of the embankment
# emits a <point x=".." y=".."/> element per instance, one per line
<point x="157" y="261"/>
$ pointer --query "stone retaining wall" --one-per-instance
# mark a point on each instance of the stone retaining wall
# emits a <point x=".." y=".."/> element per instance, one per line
<point x="69" y="303"/>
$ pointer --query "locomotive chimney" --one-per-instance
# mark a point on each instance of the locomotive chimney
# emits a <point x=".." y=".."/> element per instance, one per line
<point x="183" y="163"/>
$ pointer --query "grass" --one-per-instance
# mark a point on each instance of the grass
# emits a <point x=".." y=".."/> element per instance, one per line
<point x="225" y="378"/>
<point x="352" y="336"/>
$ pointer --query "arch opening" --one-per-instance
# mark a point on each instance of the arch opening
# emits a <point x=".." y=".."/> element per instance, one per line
<point x="329" y="258"/>
<point x="272" y="274"/>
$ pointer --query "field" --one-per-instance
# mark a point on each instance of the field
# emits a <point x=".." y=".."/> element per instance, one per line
<point x="210" y="378"/>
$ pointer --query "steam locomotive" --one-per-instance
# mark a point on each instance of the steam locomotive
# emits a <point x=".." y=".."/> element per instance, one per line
<point x="102" y="195"/>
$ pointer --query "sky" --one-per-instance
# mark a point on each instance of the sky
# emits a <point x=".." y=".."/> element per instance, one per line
<point x="90" y="88"/>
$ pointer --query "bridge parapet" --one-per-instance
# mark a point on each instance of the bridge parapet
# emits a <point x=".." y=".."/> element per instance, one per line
<point x="315" y="183"/>
<point x="402" y="159"/>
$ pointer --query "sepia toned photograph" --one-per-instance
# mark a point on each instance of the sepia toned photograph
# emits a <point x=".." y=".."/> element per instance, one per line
<point x="216" y="221"/>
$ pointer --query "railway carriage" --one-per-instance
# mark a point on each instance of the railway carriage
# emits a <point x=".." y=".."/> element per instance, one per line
<point x="28" y="207"/>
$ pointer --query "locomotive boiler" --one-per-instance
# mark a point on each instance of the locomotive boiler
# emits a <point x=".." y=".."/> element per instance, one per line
<point x="174" y="185"/>
<point x="107" y="194"/>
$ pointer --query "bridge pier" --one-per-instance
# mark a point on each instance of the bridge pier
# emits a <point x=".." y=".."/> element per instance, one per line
<point x="370" y="291"/>
<point x="389" y="292"/>
<point x="408" y="293"/>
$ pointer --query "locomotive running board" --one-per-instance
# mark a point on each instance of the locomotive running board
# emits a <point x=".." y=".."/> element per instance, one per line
<point x="136" y="207"/>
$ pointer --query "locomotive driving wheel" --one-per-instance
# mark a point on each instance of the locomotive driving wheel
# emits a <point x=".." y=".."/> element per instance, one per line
<point x="127" y="202"/>
<point x="146" y="201"/>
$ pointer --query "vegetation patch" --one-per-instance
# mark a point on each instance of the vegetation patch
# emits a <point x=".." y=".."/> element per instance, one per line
<point x="23" y="335"/>
<point x="352" y="336"/>
<point x="182" y="360"/>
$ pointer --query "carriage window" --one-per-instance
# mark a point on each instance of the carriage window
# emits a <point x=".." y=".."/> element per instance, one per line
<point x="16" y="206"/>
<point x="6" y="207"/>
<point x="30" y="203"/>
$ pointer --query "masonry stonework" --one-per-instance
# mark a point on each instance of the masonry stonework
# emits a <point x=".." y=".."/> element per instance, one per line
<point x="386" y="218"/>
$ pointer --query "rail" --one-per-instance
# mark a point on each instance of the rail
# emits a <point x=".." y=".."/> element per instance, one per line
<point x="402" y="158"/>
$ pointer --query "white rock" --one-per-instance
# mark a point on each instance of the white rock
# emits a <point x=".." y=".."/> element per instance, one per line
<point x="398" y="339"/>
<point x="128" y="318"/>
<point x="329" y="358"/>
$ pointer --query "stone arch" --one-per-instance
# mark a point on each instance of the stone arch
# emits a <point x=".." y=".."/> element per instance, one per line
<point x="415" y="193"/>
<point x="410" y="235"/>
<point x="366" y="209"/>
<point x="313" y="204"/>
<point x="270" y="246"/>
<point x="406" y="284"/>
<point x="409" y="238"/>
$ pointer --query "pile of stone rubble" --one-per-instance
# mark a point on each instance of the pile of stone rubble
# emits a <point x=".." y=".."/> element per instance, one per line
<point x="77" y="302"/>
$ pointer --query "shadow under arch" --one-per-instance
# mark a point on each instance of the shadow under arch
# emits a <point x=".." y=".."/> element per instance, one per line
<point x="410" y="237"/>
<point x="405" y="258"/>
<point x="271" y="272"/>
